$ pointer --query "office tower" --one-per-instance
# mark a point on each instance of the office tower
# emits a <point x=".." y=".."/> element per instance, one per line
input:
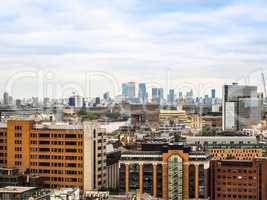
<point x="213" y="93"/>
<point x="124" y="89"/>
<point x="160" y="93"/>
<point x="5" y="98"/>
<point x="142" y="94"/>
<point x="241" y="107"/>
<point x="76" y="101"/>
<point x="171" y="96"/>
<point x="168" y="172"/>
<point x="131" y="89"/>
<point x="128" y="90"/>
<point x="154" y="93"/>
<point x="97" y="100"/>
<point x="65" y="155"/>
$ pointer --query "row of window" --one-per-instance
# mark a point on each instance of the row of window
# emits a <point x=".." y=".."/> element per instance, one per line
<point x="56" y="157"/>
<point x="55" y="135"/>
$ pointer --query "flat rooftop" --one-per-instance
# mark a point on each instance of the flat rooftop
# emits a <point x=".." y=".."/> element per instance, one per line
<point x="16" y="189"/>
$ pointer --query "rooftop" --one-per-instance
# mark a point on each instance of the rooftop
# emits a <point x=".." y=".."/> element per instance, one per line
<point x="16" y="189"/>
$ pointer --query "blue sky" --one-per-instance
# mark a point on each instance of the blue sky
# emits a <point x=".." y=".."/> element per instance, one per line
<point x="181" y="44"/>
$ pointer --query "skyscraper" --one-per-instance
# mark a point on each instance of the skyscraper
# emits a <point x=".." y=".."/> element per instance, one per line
<point x="128" y="90"/>
<point x="171" y="96"/>
<point x="160" y="93"/>
<point x="5" y="98"/>
<point x="142" y="94"/>
<point x="241" y="107"/>
<point x="213" y="93"/>
<point x="154" y="93"/>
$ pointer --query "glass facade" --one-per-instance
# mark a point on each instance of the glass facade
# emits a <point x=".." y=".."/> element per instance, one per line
<point x="175" y="178"/>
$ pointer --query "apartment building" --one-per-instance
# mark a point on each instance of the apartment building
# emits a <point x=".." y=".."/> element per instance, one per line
<point x="65" y="155"/>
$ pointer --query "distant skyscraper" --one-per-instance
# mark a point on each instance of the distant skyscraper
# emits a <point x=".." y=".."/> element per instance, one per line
<point x="242" y="107"/>
<point x="128" y="90"/>
<point x="76" y="101"/>
<point x="160" y="93"/>
<point x="124" y="89"/>
<point x="142" y="94"/>
<point x="97" y="100"/>
<point x="171" y="96"/>
<point x="154" y="93"/>
<point x="213" y="93"/>
<point x="5" y="98"/>
<point x="131" y="86"/>
<point x="180" y="95"/>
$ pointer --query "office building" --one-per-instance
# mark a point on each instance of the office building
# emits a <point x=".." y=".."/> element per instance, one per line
<point x="5" y="98"/>
<point x="65" y="155"/>
<point x="170" y="173"/>
<point x="154" y="93"/>
<point x="161" y="93"/>
<point x="238" y="180"/>
<point x="241" y="107"/>
<point x="213" y="93"/>
<point x="128" y="90"/>
<point x="142" y="93"/>
<point x="171" y="96"/>
<point x="76" y="101"/>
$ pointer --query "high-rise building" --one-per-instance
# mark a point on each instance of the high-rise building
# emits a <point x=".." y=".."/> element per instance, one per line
<point x="242" y="107"/>
<point x="5" y="98"/>
<point x="128" y="90"/>
<point x="76" y="101"/>
<point x="65" y="155"/>
<point x="161" y="93"/>
<point x="154" y="93"/>
<point x="213" y="93"/>
<point x="171" y="96"/>
<point x="142" y="94"/>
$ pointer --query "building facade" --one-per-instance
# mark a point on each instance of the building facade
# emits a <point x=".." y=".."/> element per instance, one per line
<point x="242" y="107"/>
<point x="65" y="155"/>
<point x="174" y="173"/>
<point x="239" y="180"/>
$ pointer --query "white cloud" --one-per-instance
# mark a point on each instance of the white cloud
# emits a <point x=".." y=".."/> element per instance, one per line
<point x="116" y="37"/>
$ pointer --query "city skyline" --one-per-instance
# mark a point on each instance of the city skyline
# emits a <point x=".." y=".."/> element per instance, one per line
<point x="175" y="42"/>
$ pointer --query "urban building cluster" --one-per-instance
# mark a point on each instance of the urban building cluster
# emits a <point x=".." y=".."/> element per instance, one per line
<point x="135" y="146"/>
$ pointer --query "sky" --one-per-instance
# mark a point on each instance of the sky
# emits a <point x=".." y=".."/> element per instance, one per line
<point x="53" y="48"/>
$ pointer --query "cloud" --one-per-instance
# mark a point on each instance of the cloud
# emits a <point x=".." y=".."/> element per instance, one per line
<point x="134" y="39"/>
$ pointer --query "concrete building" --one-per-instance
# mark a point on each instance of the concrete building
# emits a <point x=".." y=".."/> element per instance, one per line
<point x="242" y="107"/>
<point x="172" y="173"/>
<point x="66" y="155"/>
